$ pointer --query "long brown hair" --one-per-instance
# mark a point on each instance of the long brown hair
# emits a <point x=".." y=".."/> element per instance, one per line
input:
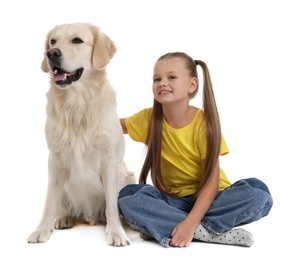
<point x="153" y="157"/>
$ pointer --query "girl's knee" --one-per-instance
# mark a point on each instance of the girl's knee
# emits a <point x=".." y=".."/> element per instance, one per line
<point x="256" y="183"/>
<point x="267" y="200"/>
<point x="262" y="194"/>
<point x="258" y="194"/>
<point x="129" y="190"/>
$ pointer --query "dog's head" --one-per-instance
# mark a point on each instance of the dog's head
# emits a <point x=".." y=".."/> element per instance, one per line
<point x="73" y="51"/>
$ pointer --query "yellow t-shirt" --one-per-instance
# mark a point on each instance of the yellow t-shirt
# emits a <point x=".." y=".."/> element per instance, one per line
<point x="182" y="151"/>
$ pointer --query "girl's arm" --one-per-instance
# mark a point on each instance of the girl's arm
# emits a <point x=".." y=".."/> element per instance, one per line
<point x="123" y="124"/>
<point x="183" y="233"/>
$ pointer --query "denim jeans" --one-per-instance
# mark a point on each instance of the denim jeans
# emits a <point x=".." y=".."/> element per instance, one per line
<point x="153" y="213"/>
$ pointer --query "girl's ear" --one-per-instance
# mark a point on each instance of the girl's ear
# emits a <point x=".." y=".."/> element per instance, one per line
<point x="103" y="49"/>
<point x="194" y="85"/>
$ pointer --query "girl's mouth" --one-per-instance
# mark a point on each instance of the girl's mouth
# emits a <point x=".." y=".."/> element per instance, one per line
<point x="164" y="92"/>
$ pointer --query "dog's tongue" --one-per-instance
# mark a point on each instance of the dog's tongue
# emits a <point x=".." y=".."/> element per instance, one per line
<point x="60" y="77"/>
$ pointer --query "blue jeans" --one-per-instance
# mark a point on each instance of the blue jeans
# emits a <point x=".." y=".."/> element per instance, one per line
<point x="153" y="213"/>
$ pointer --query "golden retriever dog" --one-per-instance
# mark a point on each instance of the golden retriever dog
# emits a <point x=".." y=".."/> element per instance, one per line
<point x="86" y="166"/>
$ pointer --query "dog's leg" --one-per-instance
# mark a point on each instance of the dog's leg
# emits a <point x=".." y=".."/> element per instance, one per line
<point x="65" y="222"/>
<point x="54" y="193"/>
<point x="116" y="234"/>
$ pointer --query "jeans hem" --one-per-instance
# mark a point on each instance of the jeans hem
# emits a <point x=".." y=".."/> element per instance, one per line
<point x="165" y="242"/>
<point x="215" y="229"/>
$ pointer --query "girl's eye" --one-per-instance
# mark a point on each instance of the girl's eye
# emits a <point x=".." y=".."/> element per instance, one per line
<point x="172" y="77"/>
<point x="156" y="80"/>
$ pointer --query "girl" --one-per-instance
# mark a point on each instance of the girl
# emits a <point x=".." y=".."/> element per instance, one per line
<point x="191" y="198"/>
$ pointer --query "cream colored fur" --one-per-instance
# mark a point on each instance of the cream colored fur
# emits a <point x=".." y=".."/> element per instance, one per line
<point x="84" y="136"/>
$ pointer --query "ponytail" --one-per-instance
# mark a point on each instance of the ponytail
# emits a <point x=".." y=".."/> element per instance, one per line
<point x="213" y="128"/>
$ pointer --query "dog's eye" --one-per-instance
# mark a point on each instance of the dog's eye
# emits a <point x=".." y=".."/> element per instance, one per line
<point x="53" y="41"/>
<point x="77" y="40"/>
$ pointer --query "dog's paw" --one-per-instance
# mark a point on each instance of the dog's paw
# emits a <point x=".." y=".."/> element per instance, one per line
<point x="117" y="239"/>
<point x="39" y="236"/>
<point x="65" y="222"/>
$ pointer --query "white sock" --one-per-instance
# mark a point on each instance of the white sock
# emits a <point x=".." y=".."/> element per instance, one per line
<point x="238" y="236"/>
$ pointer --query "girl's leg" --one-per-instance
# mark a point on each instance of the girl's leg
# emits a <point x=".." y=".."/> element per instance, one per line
<point x="151" y="212"/>
<point x="155" y="215"/>
<point x="243" y="202"/>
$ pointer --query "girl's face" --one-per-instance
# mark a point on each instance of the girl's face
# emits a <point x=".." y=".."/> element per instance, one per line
<point x="172" y="81"/>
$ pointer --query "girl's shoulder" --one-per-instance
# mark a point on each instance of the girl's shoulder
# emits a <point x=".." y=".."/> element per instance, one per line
<point x="141" y="117"/>
<point x="144" y="113"/>
<point x="199" y="116"/>
<point x="198" y="124"/>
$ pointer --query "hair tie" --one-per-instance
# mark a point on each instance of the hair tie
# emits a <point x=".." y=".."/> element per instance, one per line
<point x="196" y="62"/>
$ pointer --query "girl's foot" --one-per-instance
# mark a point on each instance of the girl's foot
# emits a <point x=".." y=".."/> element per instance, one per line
<point x="238" y="237"/>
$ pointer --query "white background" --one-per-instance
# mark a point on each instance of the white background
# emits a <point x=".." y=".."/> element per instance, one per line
<point x="247" y="46"/>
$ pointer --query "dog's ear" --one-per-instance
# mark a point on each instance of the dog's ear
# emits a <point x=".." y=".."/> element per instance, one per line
<point x="103" y="49"/>
<point x="44" y="65"/>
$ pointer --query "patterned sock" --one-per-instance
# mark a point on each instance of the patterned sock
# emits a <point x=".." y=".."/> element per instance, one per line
<point x="238" y="236"/>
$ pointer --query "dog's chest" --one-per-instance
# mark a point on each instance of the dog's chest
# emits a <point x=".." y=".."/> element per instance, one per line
<point x="83" y="174"/>
<point x="83" y="178"/>
<point x="77" y="118"/>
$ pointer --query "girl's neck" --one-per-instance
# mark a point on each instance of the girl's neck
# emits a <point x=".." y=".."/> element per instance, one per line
<point x="178" y="117"/>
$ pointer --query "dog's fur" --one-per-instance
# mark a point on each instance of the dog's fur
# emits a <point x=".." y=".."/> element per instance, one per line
<point x="84" y="136"/>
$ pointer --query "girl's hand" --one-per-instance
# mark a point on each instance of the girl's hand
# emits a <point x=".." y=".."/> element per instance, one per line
<point x="182" y="234"/>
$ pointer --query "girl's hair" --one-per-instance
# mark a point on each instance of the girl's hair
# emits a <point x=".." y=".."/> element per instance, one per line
<point x="153" y="157"/>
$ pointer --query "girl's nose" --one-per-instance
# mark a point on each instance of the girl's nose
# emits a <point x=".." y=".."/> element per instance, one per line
<point x="162" y="83"/>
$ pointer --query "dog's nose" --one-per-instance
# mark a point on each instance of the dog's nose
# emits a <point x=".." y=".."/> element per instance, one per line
<point x="54" y="54"/>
